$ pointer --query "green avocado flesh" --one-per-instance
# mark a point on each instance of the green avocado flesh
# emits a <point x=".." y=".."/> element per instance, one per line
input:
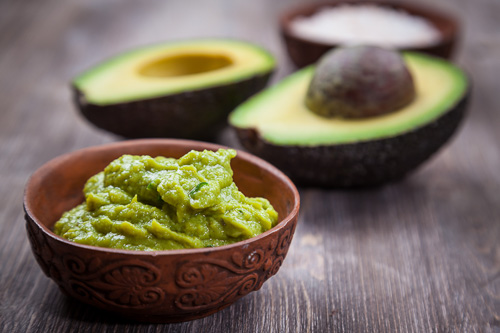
<point x="280" y="116"/>
<point x="146" y="203"/>
<point x="172" y="68"/>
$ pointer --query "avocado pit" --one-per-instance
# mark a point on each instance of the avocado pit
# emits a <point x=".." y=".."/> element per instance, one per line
<point x="360" y="82"/>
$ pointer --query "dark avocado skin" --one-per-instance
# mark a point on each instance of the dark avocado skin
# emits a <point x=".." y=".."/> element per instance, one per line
<point x="362" y="164"/>
<point x="197" y="114"/>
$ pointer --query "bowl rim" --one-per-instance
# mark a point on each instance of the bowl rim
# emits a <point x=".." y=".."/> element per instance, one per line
<point x="415" y="9"/>
<point x="162" y="142"/>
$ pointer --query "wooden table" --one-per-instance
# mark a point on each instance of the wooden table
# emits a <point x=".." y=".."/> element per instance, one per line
<point x="422" y="255"/>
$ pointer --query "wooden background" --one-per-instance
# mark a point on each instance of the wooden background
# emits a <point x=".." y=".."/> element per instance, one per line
<point x="422" y="255"/>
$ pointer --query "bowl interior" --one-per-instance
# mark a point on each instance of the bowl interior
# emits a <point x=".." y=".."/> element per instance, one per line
<point x="57" y="186"/>
<point x="446" y="25"/>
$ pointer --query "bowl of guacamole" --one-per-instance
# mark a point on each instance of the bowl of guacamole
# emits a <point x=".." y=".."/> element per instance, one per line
<point x="160" y="230"/>
<point x="139" y="202"/>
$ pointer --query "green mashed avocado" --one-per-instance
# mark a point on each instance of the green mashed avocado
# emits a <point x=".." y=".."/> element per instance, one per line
<point x="146" y="203"/>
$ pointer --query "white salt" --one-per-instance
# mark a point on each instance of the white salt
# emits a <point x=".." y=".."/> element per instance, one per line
<point x="366" y="24"/>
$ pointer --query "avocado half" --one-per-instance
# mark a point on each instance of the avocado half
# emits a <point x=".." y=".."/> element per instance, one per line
<point x="339" y="152"/>
<point x="180" y="89"/>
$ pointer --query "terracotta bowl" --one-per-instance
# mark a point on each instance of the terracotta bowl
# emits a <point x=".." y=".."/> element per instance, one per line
<point x="159" y="286"/>
<point x="304" y="52"/>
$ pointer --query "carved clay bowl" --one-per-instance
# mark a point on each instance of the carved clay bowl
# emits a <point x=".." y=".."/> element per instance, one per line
<point x="304" y="52"/>
<point x="160" y="286"/>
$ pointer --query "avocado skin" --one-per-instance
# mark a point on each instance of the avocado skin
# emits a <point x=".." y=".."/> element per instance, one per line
<point x="197" y="114"/>
<point x="361" y="164"/>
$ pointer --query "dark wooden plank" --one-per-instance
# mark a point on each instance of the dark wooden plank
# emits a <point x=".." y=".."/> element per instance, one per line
<point x="422" y="255"/>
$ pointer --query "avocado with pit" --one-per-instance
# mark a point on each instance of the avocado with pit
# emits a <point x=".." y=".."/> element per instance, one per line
<point x="337" y="151"/>
<point x="181" y="89"/>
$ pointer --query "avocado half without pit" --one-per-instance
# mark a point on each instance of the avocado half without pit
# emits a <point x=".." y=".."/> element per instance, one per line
<point x="179" y="90"/>
<point x="347" y="123"/>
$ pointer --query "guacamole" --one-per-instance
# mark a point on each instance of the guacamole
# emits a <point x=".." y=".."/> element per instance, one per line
<point x="146" y="203"/>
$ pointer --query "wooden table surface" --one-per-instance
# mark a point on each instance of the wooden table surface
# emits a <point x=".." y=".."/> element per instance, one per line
<point x="422" y="255"/>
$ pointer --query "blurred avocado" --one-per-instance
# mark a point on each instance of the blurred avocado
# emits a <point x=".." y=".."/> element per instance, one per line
<point x="179" y="89"/>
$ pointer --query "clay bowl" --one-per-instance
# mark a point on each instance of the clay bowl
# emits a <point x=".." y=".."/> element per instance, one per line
<point x="160" y="286"/>
<point x="304" y="52"/>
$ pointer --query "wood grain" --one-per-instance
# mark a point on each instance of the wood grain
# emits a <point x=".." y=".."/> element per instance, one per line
<point x="422" y="255"/>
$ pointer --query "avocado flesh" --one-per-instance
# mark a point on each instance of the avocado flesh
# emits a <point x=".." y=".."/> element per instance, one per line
<point x="280" y="116"/>
<point x="172" y="68"/>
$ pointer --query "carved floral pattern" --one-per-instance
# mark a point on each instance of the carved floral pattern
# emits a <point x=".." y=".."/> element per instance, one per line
<point x="41" y="250"/>
<point x="206" y="281"/>
<point x="127" y="283"/>
<point x="200" y="284"/>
